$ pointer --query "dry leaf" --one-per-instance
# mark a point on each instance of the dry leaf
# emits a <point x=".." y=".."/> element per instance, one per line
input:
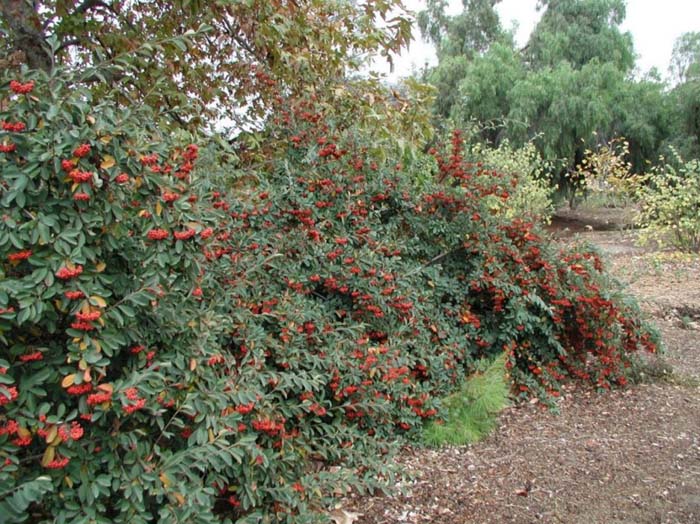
<point x="51" y="435"/>
<point x="165" y="479"/>
<point x="340" y="516"/>
<point x="107" y="162"/>
<point x="98" y="301"/>
<point x="48" y="457"/>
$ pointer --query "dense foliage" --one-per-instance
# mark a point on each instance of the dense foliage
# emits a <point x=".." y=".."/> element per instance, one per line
<point x="245" y="343"/>
<point x="669" y="203"/>
<point x="572" y="87"/>
<point x="196" y="58"/>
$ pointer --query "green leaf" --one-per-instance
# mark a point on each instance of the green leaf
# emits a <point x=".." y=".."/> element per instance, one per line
<point x="14" y="506"/>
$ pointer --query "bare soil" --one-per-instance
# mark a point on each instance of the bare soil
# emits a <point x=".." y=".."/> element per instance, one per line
<point x="626" y="457"/>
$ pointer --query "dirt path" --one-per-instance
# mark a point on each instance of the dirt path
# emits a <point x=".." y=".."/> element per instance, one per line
<point x="627" y="457"/>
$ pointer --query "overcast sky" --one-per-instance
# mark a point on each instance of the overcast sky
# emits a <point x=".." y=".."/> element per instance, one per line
<point x="654" y="24"/>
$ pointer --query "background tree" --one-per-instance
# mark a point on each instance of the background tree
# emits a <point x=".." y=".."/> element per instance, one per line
<point x="458" y="40"/>
<point x="569" y="89"/>
<point x="685" y="96"/>
<point x="236" y="57"/>
<point x="580" y="31"/>
<point x="685" y="60"/>
<point x="484" y="93"/>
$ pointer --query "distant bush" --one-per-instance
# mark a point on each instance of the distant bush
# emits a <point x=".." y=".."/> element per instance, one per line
<point x="532" y="195"/>
<point x="219" y="344"/>
<point x="606" y="172"/>
<point x="670" y="205"/>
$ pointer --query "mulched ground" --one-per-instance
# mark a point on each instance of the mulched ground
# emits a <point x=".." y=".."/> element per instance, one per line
<point x="626" y="457"/>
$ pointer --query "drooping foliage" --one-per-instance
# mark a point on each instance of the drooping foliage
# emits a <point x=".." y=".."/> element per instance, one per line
<point x="570" y="88"/>
<point x="458" y="40"/>
<point x="685" y="97"/>
<point x="580" y="32"/>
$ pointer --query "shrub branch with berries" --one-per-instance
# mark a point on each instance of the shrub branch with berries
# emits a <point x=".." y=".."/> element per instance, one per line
<point x="189" y="343"/>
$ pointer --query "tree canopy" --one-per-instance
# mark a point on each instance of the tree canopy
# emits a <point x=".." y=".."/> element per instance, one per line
<point x="580" y="31"/>
<point x="228" y="57"/>
<point x="570" y="87"/>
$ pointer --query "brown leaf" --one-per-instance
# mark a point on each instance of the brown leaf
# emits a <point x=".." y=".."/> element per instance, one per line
<point x="107" y="162"/>
<point x="340" y="516"/>
<point x="48" y="457"/>
<point x="68" y="380"/>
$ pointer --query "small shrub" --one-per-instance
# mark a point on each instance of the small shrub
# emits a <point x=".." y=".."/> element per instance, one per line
<point x="470" y="412"/>
<point x="607" y="174"/>
<point x="532" y="197"/>
<point x="669" y="201"/>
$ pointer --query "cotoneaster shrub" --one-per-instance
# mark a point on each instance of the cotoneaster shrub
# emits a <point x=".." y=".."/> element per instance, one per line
<point x="246" y="344"/>
<point x="100" y="319"/>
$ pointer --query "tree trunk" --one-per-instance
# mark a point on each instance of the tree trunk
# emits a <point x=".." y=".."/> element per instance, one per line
<point x="26" y="34"/>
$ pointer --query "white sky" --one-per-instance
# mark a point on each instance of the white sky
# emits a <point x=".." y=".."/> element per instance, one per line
<point x="654" y="24"/>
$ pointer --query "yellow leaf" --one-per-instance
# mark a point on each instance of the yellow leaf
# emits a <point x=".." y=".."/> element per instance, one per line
<point x="69" y="481"/>
<point x="138" y="182"/>
<point x="100" y="267"/>
<point x="96" y="344"/>
<point x="53" y="432"/>
<point x="107" y="162"/>
<point x="90" y="120"/>
<point x="86" y="375"/>
<point x="83" y="345"/>
<point x="56" y="440"/>
<point x="82" y="365"/>
<point x="159" y="209"/>
<point x="98" y="301"/>
<point x="48" y="457"/>
<point x="193" y="364"/>
<point x="23" y="432"/>
<point x="180" y="499"/>
<point x="165" y="480"/>
<point x="68" y="380"/>
<point x="74" y="187"/>
<point x="212" y="437"/>
<point x="106" y="139"/>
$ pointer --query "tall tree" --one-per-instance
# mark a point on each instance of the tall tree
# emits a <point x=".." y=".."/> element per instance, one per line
<point x="458" y="40"/>
<point x="468" y="33"/>
<point x="206" y="57"/>
<point x="685" y="60"/>
<point x="685" y="96"/>
<point x="484" y="94"/>
<point x="579" y="31"/>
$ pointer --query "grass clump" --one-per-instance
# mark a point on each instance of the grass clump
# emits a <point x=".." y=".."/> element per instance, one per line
<point x="472" y="411"/>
